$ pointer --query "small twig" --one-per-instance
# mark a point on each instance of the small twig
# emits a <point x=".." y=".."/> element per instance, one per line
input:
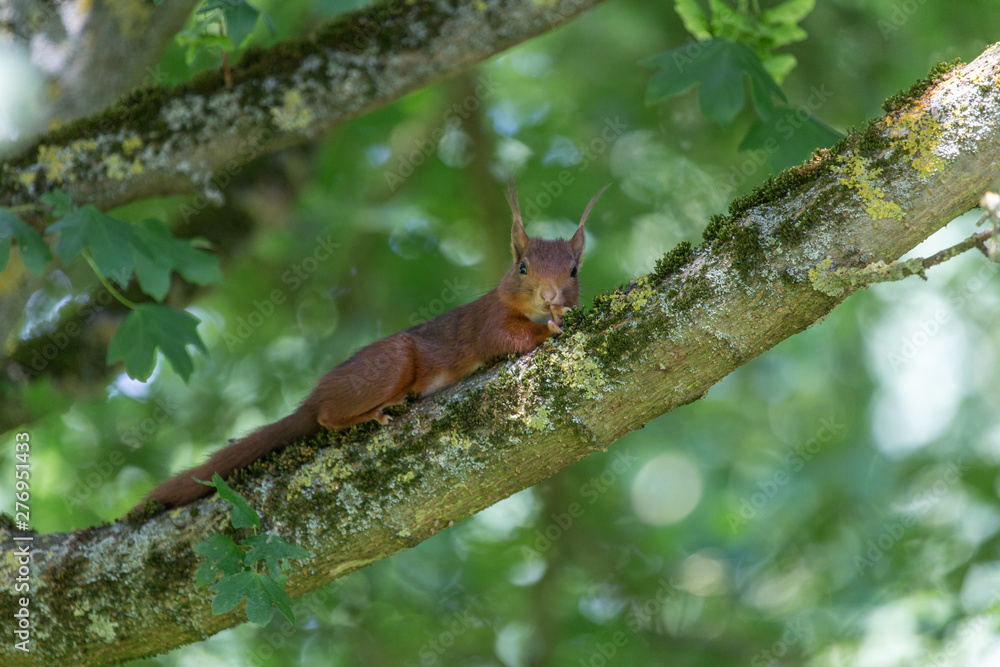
<point x="977" y="240"/>
<point x="227" y="71"/>
<point x="836" y="281"/>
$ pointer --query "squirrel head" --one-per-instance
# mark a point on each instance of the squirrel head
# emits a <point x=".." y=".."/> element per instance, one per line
<point x="544" y="273"/>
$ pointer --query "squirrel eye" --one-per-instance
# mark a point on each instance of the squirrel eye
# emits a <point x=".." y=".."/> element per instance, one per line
<point x="572" y="274"/>
<point x="523" y="269"/>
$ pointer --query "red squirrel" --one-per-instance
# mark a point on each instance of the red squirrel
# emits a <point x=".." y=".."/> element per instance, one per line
<point x="514" y="318"/>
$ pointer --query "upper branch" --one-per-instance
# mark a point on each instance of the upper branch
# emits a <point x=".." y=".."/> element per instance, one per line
<point x="192" y="138"/>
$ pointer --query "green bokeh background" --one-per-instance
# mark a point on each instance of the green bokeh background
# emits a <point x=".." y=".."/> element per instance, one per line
<point x="833" y="502"/>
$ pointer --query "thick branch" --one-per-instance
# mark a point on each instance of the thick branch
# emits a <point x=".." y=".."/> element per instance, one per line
<point x="638" y="353"/>
<point x="193" y="138"/>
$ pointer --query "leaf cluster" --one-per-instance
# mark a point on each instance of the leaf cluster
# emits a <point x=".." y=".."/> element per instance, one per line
<point x="116" y="250"/>
<point x="219" y="26"/>
<point x="253" y="570"/>
<point x="736" y="46"/>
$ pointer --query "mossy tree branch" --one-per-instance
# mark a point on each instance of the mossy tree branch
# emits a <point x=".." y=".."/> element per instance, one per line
<point x="658" y="344"/>
<point x="192" y="138"/>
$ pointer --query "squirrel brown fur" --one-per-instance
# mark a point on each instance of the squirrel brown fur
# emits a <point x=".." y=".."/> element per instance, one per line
<point x="514" y="318"/>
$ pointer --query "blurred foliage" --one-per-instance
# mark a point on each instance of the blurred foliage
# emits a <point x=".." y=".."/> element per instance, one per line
<point x="833" y="502"/>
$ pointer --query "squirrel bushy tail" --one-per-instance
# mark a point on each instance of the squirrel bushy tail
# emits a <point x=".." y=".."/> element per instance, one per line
<point x="181" y="489"/>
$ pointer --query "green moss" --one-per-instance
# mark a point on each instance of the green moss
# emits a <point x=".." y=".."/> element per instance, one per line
<point x="747" y="248"/>
<point x="716" y="228"/>
<point x="139" y="515"/>
<point x="791" y="231"/>
<point x="673" y="261"/>
<point x="896" y="102"/>
<point x="6" y="522"/>
<point x="168" y="572"/>
<point x="694" y="289"/>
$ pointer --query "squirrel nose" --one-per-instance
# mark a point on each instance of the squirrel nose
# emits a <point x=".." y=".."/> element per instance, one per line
<point x="549" y="294"/>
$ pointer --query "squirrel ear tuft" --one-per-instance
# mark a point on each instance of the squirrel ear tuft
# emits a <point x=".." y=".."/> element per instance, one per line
<point x="577" y="242"/>
<point x="518" y="238"/>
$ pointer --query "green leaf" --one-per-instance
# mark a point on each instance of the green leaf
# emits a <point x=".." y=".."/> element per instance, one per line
<point x="789" y="12"/>
<point x="271" y="549"/>
<point x="782" y="34"/>
<point x="243" y="516"/>
<point x="224" y="557"/>
<point x="719" y="67"/>
<point x="155" y="253"/>
<point x="241" y="18"/>
<point x="34" y="251"/>
<point x="694" y="18"/>
<point x="260" y="591"/>
<point x="780" y="65"/>
<point x="789" y="137"/>
<point x="109" y="240"/>
<point x="150" y="326"/>
<point x="726" y="21"/>
<point x="58" y="201"/>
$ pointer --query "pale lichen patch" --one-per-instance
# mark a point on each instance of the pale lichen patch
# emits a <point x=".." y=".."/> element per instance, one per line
<point x="293" y="114"/>
<point x="539" y="420"/>
<point x="131" y="145"/>
<point x="847" y="278"/>
<point x="919" y="133"/>
<point x="569" y="365"/>
<point x="118" y="168"/>
<point x="103" y="628"/>
<point x="859" y="174"/>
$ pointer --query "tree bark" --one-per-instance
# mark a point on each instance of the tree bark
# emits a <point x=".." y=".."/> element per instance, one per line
<point x="117" y="592"/>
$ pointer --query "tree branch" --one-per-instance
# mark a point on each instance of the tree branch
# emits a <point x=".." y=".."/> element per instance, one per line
<point x="192" y="138"/>
<point x="658" y="344"/>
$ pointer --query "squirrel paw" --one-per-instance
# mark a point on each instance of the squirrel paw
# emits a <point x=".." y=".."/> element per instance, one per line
<point x="555" y="324"/>
<point x="381" y="417"/>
